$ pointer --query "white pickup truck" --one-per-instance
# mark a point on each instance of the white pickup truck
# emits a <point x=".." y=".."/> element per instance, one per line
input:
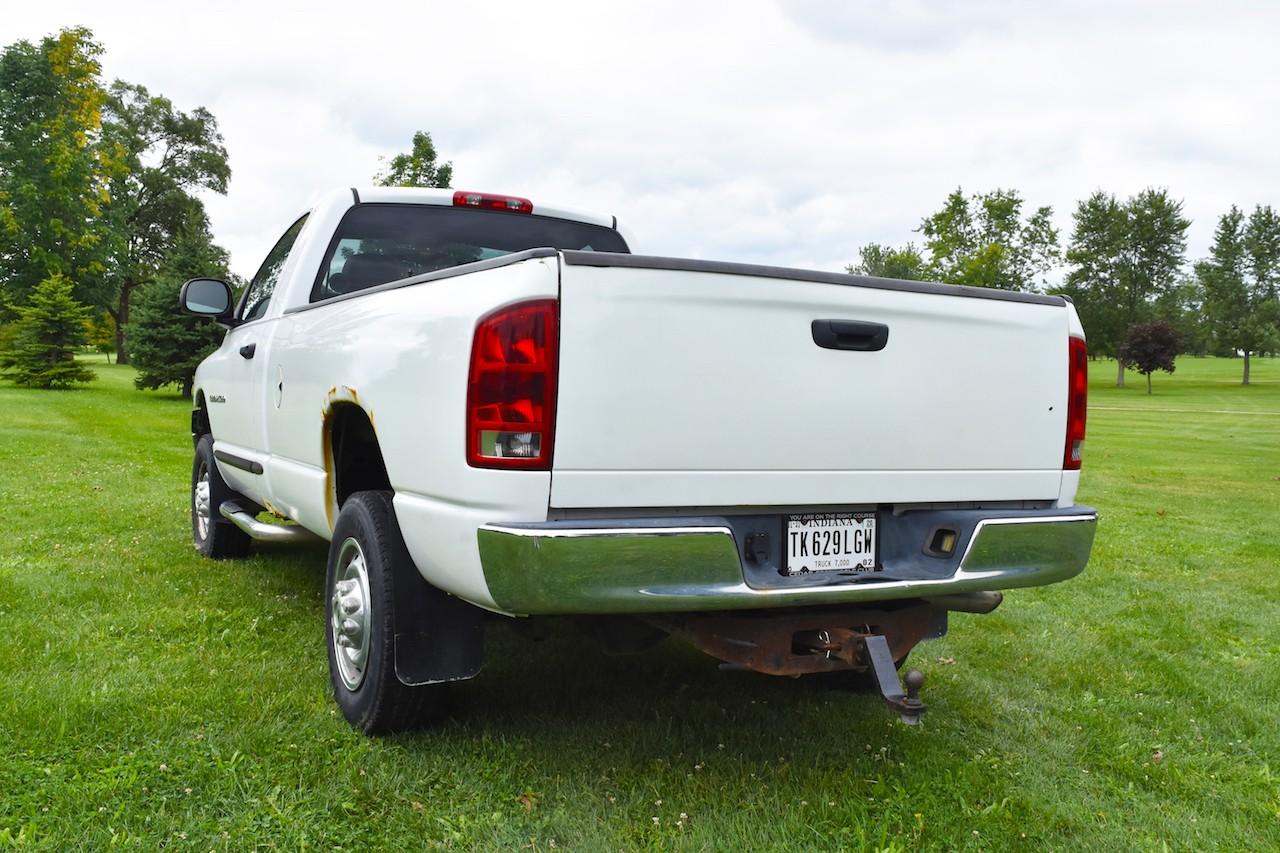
<point x="490" y="407"/>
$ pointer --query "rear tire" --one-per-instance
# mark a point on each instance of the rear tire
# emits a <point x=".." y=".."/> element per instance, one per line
<point x="213" y="535"/>
<point x="364" y="555"/>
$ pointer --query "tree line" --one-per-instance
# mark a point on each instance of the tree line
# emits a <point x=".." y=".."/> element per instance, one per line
<point x="99" y="219"/>
<point x="1126" y="270"/>
<point x="98" y="213"/>
<point x="100" y="224"/>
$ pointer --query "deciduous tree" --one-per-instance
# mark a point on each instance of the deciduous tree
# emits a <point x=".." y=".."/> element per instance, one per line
<point x="1123" y="255"/>
<point x="981" y="240"/>
<point x="168" y="155"/>
<point x="49" y="330"/>
<point x="53" y="168"/>
<point x="984" y="241"/>
<point x="418" y="168"/>
<point x="888" y="262"/>
<point x="1153" y="346"/>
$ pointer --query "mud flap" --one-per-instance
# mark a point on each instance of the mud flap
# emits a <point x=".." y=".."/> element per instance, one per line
<point x="438" y="637"/>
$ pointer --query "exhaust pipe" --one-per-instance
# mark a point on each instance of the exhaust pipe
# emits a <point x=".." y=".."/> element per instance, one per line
<point x="968" y="602"/>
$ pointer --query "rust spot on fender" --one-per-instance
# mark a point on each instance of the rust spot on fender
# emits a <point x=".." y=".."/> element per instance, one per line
<point x="337" y="395"/>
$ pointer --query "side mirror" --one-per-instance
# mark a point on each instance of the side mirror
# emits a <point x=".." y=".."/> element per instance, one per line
<point x="207" y="297"/>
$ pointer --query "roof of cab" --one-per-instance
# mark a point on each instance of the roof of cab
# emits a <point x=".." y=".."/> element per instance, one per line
<point x="425" y="195"/>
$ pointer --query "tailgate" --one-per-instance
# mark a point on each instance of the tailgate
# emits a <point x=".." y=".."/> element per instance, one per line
<point x="694" y="384"/>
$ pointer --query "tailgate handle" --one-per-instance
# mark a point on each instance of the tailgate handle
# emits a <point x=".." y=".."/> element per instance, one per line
<point x="850" y="334"/>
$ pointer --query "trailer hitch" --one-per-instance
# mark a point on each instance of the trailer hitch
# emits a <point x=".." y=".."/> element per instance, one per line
<point x="872" y="651"/>
<point x="907" y="703"/>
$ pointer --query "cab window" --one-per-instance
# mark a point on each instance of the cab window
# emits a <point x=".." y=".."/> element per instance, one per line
<point x="257" y="296"/>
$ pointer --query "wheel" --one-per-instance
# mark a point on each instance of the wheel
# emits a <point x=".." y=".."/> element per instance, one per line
<point x="213" y="535"/>
<point x="364" y="555"/>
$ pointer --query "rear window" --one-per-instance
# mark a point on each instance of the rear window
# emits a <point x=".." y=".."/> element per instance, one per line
<point x="378" y="243"/>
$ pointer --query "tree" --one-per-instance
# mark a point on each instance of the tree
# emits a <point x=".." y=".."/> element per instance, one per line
<point x="888" y="262"/>
<point x="982" y="240"/>
<point x="1239" y="282"/>
<point x="1123" y="256"/>
<point x="165" y="344"/>
<point x="46" y="335"/>
<point x="418" y="168"/>
<point x="53" y="167"/>
<point x="101" y="333"/>
<point x="168" y="155"/>
<point x="1183" y="306"/>
<point x="1153" y="346"/>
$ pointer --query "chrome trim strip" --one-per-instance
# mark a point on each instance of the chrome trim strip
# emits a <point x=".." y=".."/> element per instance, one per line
<point x="534" y="569"/>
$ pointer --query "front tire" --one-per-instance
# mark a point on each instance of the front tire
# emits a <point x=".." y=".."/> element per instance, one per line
<point x="213" y="535"/>
<point x="364" y="555"/>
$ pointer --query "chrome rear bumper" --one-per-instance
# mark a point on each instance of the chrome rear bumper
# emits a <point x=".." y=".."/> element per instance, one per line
<point x="636" y="568"/>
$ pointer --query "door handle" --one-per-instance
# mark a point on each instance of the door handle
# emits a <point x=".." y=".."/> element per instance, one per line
<point x="248" y="350"/>
<point x="850" y="335"/>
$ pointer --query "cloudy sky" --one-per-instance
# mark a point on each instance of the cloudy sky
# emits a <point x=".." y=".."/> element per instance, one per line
<point x="771" y="132"/>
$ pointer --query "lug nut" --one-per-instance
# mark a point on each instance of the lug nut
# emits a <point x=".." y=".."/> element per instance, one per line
<point x="346" y="642"/>
<point x="350" y="604"/>
<point x="350" y="627"/>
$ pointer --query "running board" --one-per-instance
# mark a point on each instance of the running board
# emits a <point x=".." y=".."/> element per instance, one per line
<point x="262" y="532"/>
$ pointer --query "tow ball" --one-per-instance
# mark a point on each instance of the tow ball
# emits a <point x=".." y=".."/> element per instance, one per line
<point x="872" y="651"/>
<point x="907" y="703"/>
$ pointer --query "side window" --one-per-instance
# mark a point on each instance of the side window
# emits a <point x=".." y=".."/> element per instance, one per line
<point x="257" y="296"/>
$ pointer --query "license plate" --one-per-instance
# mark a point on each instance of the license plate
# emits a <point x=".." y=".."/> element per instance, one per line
<point x="831" y="542"/>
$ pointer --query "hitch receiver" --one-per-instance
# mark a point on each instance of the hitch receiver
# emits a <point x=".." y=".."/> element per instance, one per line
<point x="907" y="703"/>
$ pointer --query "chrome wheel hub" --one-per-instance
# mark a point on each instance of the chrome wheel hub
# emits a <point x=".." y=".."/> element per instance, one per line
<point x="201" y="502"/>
<point x="349" y="617"/>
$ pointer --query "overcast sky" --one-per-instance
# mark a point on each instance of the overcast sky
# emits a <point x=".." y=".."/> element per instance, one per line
<point x="782" y="133"/>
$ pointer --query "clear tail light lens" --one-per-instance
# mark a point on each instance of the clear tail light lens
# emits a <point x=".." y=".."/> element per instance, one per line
<point x="511" y="392"/>
<point x="1077" y="401"/>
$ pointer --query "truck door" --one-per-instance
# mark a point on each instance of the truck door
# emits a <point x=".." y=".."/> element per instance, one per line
<point x="236" y="387"/>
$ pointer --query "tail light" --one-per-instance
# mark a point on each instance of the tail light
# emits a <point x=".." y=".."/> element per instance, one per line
<point x="511" y="393"/>
<point x="1077" y="401"/>
<point x="487" y="201"/>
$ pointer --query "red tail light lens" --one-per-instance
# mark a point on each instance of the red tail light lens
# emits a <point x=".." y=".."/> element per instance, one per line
<point x="487" y="201"/>
<point x="511" y="394"/>
<point x="1077" y="401"/>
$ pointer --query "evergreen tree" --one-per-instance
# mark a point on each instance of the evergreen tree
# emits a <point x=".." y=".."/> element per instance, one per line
<point x="165" y="344"/>
<point x="48" y="331"/>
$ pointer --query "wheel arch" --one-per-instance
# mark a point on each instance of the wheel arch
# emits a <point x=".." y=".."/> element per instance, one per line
<point x="199" y="418"/>
<point x="352" y="455"/>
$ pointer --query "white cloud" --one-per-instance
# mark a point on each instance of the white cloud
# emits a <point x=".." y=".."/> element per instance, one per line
<point x="783" y="133"/>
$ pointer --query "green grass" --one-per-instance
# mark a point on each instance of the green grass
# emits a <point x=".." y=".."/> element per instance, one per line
<point x="151" y="698"/>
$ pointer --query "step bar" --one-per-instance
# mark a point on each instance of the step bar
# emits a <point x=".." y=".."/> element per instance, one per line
<point x="261" y="531"/>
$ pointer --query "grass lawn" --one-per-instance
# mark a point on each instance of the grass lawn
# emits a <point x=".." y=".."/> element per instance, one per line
<point x="155" y="699"/>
